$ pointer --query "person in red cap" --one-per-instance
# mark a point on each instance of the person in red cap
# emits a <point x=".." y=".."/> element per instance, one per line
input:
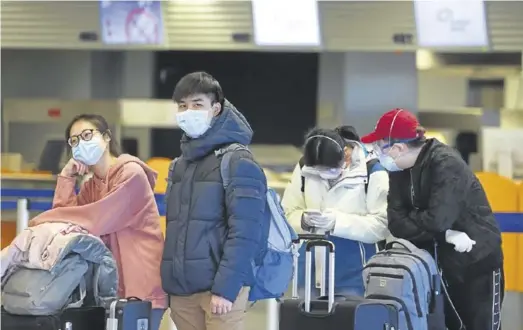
<point x="435" y="197"/>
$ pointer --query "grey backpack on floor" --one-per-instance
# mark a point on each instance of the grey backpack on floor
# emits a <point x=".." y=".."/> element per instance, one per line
<point x="409" y="276"/>
<point x="41" y="292"/>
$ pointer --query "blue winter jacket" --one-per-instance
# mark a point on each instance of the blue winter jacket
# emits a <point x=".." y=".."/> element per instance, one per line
<point x="213" y="235"/>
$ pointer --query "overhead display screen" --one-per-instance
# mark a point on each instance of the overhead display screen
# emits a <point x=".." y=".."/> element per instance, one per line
<point x="131" y="22"/>
<point x="451" y="23"/>
<point x="286" y="23"/>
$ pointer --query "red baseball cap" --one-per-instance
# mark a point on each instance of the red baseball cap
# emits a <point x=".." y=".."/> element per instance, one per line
<point x="397" y="124"/>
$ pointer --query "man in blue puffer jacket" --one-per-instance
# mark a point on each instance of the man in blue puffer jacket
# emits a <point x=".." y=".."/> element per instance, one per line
<point x="212" y="234"/>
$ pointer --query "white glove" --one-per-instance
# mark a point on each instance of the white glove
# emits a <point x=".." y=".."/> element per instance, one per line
<point x="460" y="240"/>
<point x="324" y="221"/>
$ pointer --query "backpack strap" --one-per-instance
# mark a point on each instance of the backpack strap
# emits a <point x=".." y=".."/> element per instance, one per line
<point x="370" y="169"/>
<point x="170" y="179"/>
<point x="82" y="292"/>
<point x="226" y="154"/>
<point x="171" y="169"/>
<point x="373" y="165"/>
<point x="302" y="163"/>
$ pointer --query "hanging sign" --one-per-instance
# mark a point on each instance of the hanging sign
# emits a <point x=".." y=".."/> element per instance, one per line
<point x="131" y="22"/>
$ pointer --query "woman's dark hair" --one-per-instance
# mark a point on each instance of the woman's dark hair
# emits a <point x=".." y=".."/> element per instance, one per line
<point x="323" y="147"/>
<point x="101" y="125"/>
<point x="348" y="133"/>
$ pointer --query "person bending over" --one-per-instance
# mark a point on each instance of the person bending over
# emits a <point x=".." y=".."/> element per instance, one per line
<point x="435" y="196"/>
<point x="335" y="190"/>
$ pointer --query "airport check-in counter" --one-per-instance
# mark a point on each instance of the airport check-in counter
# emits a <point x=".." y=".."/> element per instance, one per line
<point x="20" y="181"/>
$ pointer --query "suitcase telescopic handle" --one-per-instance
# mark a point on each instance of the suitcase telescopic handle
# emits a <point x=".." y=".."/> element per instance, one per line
<point x="296" y="242"/>
<point x="308" y="274"/>
<point x="309" y="237"/>
<point x="321" y="242"/>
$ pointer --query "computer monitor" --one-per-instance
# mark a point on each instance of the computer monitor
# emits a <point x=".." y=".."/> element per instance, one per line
<point x="51" y="156"/>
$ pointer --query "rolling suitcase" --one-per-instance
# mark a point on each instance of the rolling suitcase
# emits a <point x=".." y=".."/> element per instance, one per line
<point x="333" y="312"/>
<point x="81" y="318"/>
<point x="129" y="314"/>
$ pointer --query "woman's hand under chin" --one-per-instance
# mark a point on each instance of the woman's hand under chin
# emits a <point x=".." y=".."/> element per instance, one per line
<point x="74" y="167"/>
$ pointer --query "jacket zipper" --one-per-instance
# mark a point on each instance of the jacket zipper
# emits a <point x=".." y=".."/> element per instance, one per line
<point x="398" y="277"/>
<point x="415" y="291"/>
<point x="412" y="190"/>
<point x="399" y="301"/>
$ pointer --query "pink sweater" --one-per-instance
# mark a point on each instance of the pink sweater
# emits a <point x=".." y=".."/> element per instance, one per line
<point x="122" y="210"/>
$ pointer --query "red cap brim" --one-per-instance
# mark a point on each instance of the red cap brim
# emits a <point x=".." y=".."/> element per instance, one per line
<point x="370" y="138"/>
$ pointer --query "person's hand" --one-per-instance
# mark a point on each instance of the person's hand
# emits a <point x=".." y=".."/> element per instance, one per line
<point x="219" y="305"/>
<point x="324" y="221"/>
<point x="460" y="240"/>
<point x="74" y="167"/>
<point x="306" y="219"/>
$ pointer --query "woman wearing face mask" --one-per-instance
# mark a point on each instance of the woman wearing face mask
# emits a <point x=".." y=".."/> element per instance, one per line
<point x="334" y="192"/>
<point x="434" y="196"/>
<point x="117" y="204"/>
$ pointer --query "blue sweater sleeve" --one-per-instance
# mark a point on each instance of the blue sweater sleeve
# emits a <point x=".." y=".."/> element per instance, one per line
<point x="246" y="203"/>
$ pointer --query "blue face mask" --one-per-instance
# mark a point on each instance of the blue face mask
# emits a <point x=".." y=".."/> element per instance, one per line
<point x="88" y="152"/>
<point x="389" y="164"/>
<point x="194" y="122"/>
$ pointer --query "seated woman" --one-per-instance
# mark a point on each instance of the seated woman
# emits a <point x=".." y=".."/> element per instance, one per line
<point x="117" y="204"/>
<point x="332" y="191"/>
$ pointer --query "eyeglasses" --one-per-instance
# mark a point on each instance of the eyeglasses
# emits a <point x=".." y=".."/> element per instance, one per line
<point x="379" y="148"/>
<point x="86" y="135"/>
<point x="383" y="146"/>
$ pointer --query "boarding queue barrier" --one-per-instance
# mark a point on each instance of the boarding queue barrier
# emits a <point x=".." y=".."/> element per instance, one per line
<point x="510" y="219"/>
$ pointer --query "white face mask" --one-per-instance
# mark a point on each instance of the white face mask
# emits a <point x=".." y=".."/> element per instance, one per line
<point x="194" y="122"/>
<point x="330" y="174"/>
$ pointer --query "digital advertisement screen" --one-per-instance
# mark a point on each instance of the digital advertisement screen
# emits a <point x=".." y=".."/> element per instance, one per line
<point x="447" y="23"/>
<point x="131" y="22"/>
<point x="286" y="23"/>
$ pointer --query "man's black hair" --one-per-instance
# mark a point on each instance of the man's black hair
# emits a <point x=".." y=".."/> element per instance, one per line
<point x="198" y="83"/>
<point x="321" y="150"/>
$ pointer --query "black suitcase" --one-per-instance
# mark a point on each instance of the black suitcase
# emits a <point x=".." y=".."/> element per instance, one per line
<point x="333" y="312"/>
<point x="129" y="314"/>
<point x="82" y="318"/>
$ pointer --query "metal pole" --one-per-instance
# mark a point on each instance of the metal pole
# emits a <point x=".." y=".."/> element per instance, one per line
<point x="22" y="215"/>
<point x="272" y="315"/>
